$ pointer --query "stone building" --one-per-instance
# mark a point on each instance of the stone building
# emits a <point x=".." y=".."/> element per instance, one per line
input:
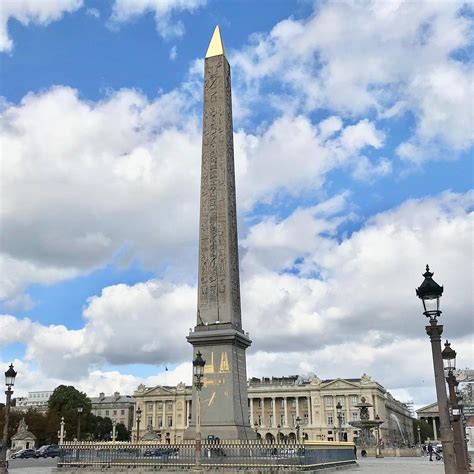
<point x="116" y="407"/>
<point x="275" y="403"/>
<point x="23" y="438"/>
<point x="34" y="401"/>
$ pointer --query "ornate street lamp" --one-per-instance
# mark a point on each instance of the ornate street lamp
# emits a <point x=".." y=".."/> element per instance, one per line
<point x="430" y="293"/>
<point x="138" y="417"/>
<point x="419" y="435"/>
<point x="79" y="414"/>
<point x="339" y="420"/>
<point x="460" y="448"/>
<point x="198" y="373"/>
<point x="10" y="375"/>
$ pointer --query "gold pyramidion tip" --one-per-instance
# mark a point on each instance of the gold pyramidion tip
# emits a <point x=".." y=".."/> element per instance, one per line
<point x="216" y="46"/>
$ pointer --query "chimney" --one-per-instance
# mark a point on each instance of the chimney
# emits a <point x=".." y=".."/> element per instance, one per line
<point x="101" y="395"/>
<point x="117" y="395"/>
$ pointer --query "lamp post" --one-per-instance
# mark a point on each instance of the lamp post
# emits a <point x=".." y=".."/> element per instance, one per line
<point x="297" y="427"/>
<point x="430" y="293"/>
<point x="418" y="429"/>
<point x="278" y="433"/>
<point x="255" y="427"/>
<point x="198" y="373"/>
<point x="138" y="417"/>
<point x="114" y="429"/>
<point x="339" y="420"/>
<point x="79" y="414"/>
<point x="449" y="361"/>
<point x="10" y="375"/>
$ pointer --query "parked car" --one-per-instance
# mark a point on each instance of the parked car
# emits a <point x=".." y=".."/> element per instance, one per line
<point x="161" y="452"/>
<point x="47" y="451"/>
<point x="24" y="453"/>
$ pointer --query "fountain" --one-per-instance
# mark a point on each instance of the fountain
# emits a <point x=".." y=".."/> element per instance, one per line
<point x="365" y="424"/>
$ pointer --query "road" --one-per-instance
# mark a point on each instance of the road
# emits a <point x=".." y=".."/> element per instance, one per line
<point x="32" y="466"/>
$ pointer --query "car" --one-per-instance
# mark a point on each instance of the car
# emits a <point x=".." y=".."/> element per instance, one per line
<point x="24" y="453"/>
<point x="48" y="451"/>
<point x="160" y="452"/>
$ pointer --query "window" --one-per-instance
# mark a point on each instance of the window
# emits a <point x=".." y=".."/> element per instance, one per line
<point x="271" y="402"/>
<point x="305" y="419"/>
<point x="170" y="404"/>
<point x="259" y="403"/>
<point x="170" y="421"/>
<point x="354" y="399"/>
<point x="341" y="400"/>
<point x="122" y="412"/>
<point x="149" y="406"/>
<point x="160" y="421"/>
<point x="160" y="405"/>
<point x="355" y="416"/>
<point x="260" y="420"/>
<point x="149" y="421"/>
<point x="330" y="419"/>
<point x="282" y="403"/>
<point x="293" y="402"/>
<point x="328" y="401"/>
<point x="271" y="420"/>
<point x="106" y="412"/>
<point x="282" y="420"/>
<point x="115" y="412"/>
<point x="343" y="417"/>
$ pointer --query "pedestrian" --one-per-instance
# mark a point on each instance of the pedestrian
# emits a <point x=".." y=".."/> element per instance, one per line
<point x="355" y="451"/>
<point x="430" y="451"/>
<point x="423" y="450"/>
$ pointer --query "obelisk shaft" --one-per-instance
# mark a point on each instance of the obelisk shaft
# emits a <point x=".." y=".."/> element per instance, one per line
<point x="218" y="335"/>
<point x="219" y="287"/>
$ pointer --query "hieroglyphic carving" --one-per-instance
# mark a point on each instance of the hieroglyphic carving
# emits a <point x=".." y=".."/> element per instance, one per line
<point x="219" y="287"/>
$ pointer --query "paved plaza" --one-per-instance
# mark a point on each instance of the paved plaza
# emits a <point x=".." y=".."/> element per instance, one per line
<point x="398" y="466"/>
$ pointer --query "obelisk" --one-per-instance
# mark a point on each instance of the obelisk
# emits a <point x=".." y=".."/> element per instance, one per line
<point x="218" y="334"/>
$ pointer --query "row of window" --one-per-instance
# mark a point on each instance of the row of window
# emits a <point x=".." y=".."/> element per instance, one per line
<point x="169" y="422"/>
<point x="257" y="402"/>
<point x="110" y="412"/>
<point x="259" y="419"/>
<point x="169" y="405"/>
<point x="329" y="400"/>
<point x="330" y="417"/>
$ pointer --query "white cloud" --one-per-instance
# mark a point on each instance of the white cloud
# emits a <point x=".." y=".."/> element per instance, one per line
<point x="163" y="10"/>
<point x="119" y="178"/>
<point x="370" y="57"/>
<point x="117" y="175"/>
<point x="328" y="297"/>
<point x="173" y="53"/>
<point x="31" y="11"/>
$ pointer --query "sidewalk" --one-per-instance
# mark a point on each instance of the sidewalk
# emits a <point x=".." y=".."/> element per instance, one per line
<point x="398" y="466"/>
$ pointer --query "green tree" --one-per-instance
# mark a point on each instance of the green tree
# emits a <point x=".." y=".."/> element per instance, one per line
<point x="122" y="433"/>
<point x="426" y="430"/>
<point x="65" y="401"/>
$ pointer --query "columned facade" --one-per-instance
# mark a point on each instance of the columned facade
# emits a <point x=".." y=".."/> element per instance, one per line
<point x="275" y="403"/>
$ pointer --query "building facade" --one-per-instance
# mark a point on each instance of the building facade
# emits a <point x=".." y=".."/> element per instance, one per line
<point x="35" y="400"/>
<point x="116" y="407"/>
<point x="275" y="404"/>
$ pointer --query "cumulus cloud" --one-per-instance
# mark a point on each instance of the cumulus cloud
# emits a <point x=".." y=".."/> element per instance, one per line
<point x="121" y="174"/>
<point x="120" y="177"/>
<point x="163" y="11"/>
<point x="31" y="11"/>
<point x="370" y="57"/>
<point x="328" y="296"/>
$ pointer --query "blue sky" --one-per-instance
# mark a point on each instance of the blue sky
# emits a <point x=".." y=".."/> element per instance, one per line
<point x="353" y="148"/>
